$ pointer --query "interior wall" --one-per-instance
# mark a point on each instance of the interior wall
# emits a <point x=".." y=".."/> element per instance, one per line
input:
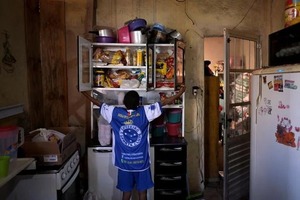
<point x="13" y="74"/>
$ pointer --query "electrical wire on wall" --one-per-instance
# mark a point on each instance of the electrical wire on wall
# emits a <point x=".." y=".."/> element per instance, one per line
<point x="185" y="10"/>
<point x="245" y="14"/>
<point x="200" y="145"/>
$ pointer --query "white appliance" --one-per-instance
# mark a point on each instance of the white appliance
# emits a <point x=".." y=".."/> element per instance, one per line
<point x="275" y="133"/>
<point x="102" y="175"/>
<point x="49" y="183"/>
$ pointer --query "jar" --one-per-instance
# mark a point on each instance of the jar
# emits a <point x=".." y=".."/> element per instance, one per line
<point x="134" y="58"/>
<point x="99" y="78"/>
<point x="128" y="57"/>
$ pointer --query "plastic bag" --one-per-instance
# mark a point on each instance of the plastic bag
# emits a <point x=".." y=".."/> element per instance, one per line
<point x="90" y="196"/>
<point x="104" y="132"/>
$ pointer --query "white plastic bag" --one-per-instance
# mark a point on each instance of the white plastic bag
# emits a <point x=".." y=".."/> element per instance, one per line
<point x="104" y="132"/>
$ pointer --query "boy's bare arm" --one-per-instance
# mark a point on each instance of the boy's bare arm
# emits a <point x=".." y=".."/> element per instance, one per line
<point x="171" y="99"/>
<point x="92" y="99"/>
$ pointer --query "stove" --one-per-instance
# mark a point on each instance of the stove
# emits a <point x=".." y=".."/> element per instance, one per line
<point x="49" y="182"/>
<point x="67" y="170"/>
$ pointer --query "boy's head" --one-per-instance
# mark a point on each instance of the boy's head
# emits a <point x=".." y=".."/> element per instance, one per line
<point x="131" y="100"/>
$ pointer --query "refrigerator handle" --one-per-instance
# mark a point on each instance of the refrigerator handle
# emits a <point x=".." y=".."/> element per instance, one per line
<point x="102" y="151"/>
<point x="258" y="99"/>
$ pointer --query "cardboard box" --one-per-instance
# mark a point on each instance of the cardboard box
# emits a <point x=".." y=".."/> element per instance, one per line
<point x="49" y="153"/>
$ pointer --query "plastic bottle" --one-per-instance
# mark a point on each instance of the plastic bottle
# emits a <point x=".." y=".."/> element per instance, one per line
<point x="139" y="57"/>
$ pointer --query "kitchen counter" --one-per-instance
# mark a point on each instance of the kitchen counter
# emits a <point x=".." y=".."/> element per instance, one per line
<point x="11" y="110"/>
<point x="15" y="167"/>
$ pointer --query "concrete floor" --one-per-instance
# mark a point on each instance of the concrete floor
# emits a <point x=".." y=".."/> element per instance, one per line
<point x="213" y="191"/>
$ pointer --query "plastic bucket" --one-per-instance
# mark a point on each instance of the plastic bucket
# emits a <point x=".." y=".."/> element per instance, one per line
<point x="174" y="116"/>
<point x="4" y="166"/>
<point x="158" y="130"/>
<point x="9" y="140"/>
<point x="124" y="35"/>
<point x="174" y="129"/>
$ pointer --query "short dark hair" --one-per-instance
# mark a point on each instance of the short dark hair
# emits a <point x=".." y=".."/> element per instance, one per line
<point x="131" y="100"/>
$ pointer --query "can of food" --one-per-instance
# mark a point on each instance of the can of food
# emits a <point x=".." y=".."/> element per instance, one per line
<point x="139" y="57"/>
<point x="99" y="78"/>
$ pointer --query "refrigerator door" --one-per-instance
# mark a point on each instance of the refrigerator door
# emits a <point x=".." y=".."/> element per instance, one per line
<point x="275" y="134"/>
<point x="102" y="174"/>
<point x="85" y="77"/>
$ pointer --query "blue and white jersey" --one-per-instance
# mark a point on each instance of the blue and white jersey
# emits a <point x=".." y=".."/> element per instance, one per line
<point x="131" y="143"/>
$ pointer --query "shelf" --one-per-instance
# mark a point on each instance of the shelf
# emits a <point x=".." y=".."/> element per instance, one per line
<point x="117" y="66"/>
<point x="166" y="106"/>
<point x="118" y="89"/>
<point x="15" y="167"/>
<point x="119" y="44"/>
<point x="11" y="111"/>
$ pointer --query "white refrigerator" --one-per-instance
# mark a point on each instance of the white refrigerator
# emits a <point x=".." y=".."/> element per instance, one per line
<point x="275" y="133"/>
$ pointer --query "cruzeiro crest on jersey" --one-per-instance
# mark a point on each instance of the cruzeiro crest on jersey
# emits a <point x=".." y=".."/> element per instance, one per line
<point x="130" y="135"/>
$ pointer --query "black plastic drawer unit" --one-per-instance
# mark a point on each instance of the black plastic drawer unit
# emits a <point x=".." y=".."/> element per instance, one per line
<point x="170" y="172"/>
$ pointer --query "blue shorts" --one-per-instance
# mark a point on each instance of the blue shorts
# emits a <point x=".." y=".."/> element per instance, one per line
<point x="140" y="180"/>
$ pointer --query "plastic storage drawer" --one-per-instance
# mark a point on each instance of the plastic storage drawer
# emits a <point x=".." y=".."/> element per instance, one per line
<point x="170" y="194"/>
<point x="170" y="181"/>
<point x="170" y="167"/>
<point x="176" y="152"/>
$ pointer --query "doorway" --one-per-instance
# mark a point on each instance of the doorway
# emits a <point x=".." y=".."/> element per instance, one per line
<point x="232" y="57"/>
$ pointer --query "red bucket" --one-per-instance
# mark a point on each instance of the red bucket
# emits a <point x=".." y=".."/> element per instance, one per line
<point x="174" y="129"/>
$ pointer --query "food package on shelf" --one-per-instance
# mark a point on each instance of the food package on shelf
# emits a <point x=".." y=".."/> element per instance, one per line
<point x="109" y="57"/>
